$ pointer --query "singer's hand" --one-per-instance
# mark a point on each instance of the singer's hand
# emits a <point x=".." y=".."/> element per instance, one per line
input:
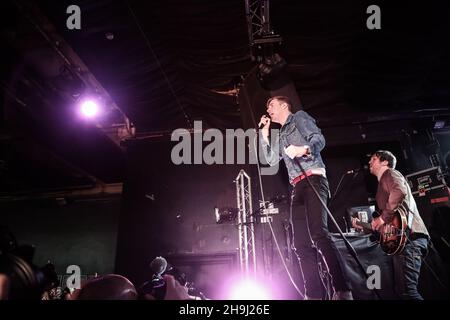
<point x="296" y="151"/>
<point x="264" y="123"/>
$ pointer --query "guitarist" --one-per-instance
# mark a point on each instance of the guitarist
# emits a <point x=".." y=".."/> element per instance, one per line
<point x="393" y="191"/>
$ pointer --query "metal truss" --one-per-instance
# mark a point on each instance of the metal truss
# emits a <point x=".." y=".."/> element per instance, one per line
<point x="246" y="229"/>
<point x="260" y="33"/>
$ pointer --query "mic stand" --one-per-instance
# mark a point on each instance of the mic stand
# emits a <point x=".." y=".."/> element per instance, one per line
<point x="344" y="238"/>
<point x="337" y="188"/>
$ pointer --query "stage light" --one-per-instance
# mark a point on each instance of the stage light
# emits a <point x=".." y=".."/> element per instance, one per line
<point x="89" y="108"/>
<point x="272" y="70"/>
<point x="439" y="124"/>
<point x="249" y="289"/>
<point x="224" y="215"/>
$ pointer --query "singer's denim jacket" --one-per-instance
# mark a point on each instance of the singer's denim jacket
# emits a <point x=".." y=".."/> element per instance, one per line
<point x="300" y="129"/>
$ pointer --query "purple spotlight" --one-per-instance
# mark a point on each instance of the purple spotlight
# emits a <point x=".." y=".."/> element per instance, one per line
<point x="89" y="108"/>
<point x="249" y="289"/>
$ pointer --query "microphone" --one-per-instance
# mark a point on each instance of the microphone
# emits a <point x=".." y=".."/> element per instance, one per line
<point x="353" y="171"/>
<point x="346" y="225"/>
<point x="158" y="266"/>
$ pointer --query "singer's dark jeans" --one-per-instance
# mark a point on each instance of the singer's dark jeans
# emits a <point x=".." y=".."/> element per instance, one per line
<point x="314" y="233"/>
<point x="407" y="268"/>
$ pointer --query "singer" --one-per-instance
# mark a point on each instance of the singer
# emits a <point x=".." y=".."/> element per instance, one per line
<point x="300" y="140"/>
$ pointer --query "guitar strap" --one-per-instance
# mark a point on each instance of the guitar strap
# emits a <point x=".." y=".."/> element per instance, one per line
<point x="410" y="215"/>
<point x="410" y="219"/>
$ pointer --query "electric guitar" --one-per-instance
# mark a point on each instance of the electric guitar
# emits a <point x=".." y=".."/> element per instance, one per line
<point x="393" y="235"/>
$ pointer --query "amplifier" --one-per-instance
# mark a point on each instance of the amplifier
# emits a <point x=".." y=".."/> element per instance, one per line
<point x="427" y="182"/>
<point x="363" y="213"/>
<point x="431" y="193"/>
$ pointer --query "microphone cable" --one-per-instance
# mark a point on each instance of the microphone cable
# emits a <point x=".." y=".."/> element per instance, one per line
<point x="261" y="189"/>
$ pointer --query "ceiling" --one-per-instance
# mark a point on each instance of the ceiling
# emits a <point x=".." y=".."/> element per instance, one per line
<point x="167" y="64"/>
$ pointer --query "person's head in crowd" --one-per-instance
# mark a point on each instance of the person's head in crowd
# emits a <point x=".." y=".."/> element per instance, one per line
<point x="4" y="286"/>
<point x="108" y="287"/>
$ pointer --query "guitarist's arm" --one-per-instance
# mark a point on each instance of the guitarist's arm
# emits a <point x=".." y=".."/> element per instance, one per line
<point x="394" y="183"/>
<point x="377" y="223"/>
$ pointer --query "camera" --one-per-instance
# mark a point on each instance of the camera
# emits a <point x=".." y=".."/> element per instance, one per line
<point x="26" y="281"/>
